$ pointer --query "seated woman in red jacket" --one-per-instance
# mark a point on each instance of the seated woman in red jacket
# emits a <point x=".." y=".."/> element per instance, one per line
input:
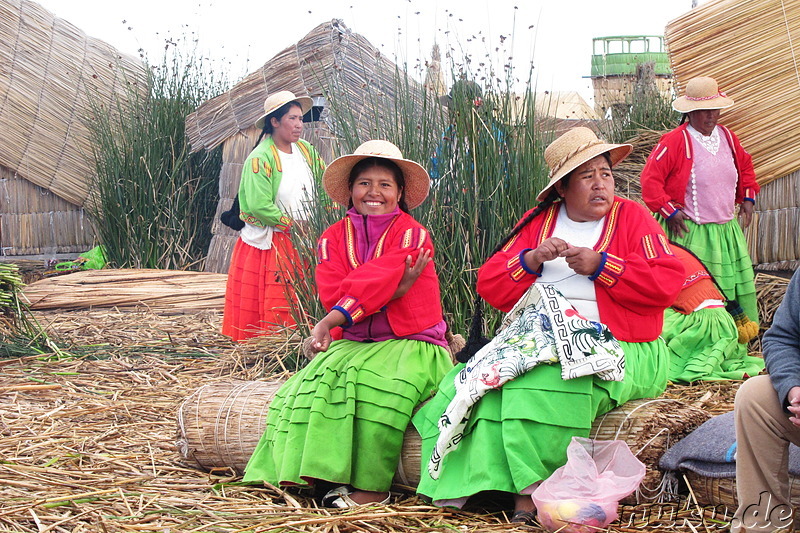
<point x="342" y="418"/>
<point x="611" y="261"/>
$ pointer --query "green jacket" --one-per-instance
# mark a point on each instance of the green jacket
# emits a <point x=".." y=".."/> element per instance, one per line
<point x="261" y="178"/>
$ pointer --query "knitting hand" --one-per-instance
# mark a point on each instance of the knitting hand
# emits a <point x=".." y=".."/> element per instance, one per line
<point x="548" y="250"/>
<point x="583" y="261"/>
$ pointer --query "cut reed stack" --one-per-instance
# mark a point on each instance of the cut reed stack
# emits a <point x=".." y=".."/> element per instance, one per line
<point x="51" y="67"/>
<point x="750" y="47"/>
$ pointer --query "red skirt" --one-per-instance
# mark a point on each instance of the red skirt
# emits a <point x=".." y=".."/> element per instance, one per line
<point x="259" y="291"/>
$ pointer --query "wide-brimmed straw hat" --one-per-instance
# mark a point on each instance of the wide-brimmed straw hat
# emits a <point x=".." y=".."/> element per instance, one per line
<point x="574" y="148"/>
<point x="336" y="178"/>
<point x="275" y="101"/>
<point x="702" y="93"/>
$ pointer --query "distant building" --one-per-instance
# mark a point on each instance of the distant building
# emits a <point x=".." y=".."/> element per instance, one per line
<point x="617" y="69"/>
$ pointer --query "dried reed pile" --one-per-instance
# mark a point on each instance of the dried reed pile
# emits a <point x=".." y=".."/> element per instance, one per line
<point x="749" y="47"/>
<point x="51" y="70"/>
<point x="626" y="174"/>
<point x="87" y="443"/>
<point x="176" y="290"/>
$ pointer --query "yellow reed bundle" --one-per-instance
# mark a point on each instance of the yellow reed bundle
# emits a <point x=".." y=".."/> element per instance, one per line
<point x="752" y="48"/>
<point x="51" y="70"/>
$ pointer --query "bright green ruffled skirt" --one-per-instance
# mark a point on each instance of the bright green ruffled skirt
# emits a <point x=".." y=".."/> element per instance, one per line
<point x="704" y="346"/>
<point x="518" y="435"/>
<point x="722" y="249"/>
<point x="342" y="417"/>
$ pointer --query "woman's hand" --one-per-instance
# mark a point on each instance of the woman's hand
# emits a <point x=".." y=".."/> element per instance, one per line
<point x="746" y="213"/>
<point x="412" y="272"/>
<point x="676" y="224"/>
<point x="548" y="250"/>
<point x="321" y="334"/>
<point x="583" y="261"/>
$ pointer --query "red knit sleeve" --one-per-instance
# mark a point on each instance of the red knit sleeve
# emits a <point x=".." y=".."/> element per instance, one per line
<point x="640" y="271"/>
<point x="746" y="187"/>
<point x="503" y="279"/>
<point x="361" y="290"/>
<point x="661" y="163"/>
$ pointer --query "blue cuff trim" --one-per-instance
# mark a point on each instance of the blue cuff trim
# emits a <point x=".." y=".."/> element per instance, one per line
<point x="525" y="267"/>
<point x="603" y="259"/>
<point x="346" y="315"/>
<point x="752" y="200"/>
<point x="673" y="213"/>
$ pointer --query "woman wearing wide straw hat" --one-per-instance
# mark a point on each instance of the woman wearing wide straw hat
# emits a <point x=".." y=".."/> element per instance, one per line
<point x="341" y="419"/>
<point x="693" y="180"/>
<point x="278" y="179"/>
<point x="608" y="258"/>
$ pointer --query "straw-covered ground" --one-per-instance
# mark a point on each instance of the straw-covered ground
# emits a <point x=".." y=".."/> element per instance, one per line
<point x="87" y="442"/>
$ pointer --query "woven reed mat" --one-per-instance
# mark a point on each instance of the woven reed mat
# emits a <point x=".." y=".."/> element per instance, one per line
<point x="176" y="290"/>
<point x="722" y="491"/>
<point x="220" y="424"/>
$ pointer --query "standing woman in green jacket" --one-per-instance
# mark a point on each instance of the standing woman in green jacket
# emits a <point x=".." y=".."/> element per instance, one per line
<point x="278" y="180"/>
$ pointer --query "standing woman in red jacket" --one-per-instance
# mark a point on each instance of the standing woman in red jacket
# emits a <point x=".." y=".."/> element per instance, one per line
<point x="342" y="418"/>
<point x="693" y="180"/>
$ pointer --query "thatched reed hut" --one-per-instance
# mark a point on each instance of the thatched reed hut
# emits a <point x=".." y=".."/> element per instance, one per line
<point x="328" y="60"/>
<point x="52" y="72"/>
<point x="750" y="48"/>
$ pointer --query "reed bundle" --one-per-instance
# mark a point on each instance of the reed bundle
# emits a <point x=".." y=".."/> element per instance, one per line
<point x="718" y="492"/>
<point x="51" y="66"/>
<point x="220" y="424"/>
<point x="750" y="47"/>
<point x="180" y="291"/>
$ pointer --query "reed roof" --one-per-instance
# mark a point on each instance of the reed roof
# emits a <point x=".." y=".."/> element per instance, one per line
<point x="750" y="47"/>
<point x="329" y="58"/>
<point x="50" y="70"/>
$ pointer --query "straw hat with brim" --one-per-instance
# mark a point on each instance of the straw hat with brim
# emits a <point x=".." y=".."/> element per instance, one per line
<point x="702" y="93"/>
<point x="573" y="149"/>
<point x="275" y="101"/>
<point x="336" y="178"/>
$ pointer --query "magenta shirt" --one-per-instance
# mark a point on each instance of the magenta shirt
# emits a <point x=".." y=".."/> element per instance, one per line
<point x="376" y="327"/>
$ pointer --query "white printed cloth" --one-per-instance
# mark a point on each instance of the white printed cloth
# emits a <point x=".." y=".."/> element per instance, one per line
<point x="543" y="327"/>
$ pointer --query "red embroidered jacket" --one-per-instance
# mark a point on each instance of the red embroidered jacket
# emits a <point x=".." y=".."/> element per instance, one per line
<point x="359" y="290"/>
<point x="669" y="167"/>
<point x="637" y="279"/>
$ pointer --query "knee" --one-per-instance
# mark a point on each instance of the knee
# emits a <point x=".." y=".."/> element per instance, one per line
<point x="756" y="395"/>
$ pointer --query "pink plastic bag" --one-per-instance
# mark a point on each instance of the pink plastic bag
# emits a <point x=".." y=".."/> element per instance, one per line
<point x="583" y="495"/>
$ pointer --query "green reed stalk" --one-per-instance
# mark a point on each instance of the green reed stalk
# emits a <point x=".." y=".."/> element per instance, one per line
<point x="154" y="200"/>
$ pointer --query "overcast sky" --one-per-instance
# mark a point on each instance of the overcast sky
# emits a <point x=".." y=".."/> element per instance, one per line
<point x="242" y="35"/>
